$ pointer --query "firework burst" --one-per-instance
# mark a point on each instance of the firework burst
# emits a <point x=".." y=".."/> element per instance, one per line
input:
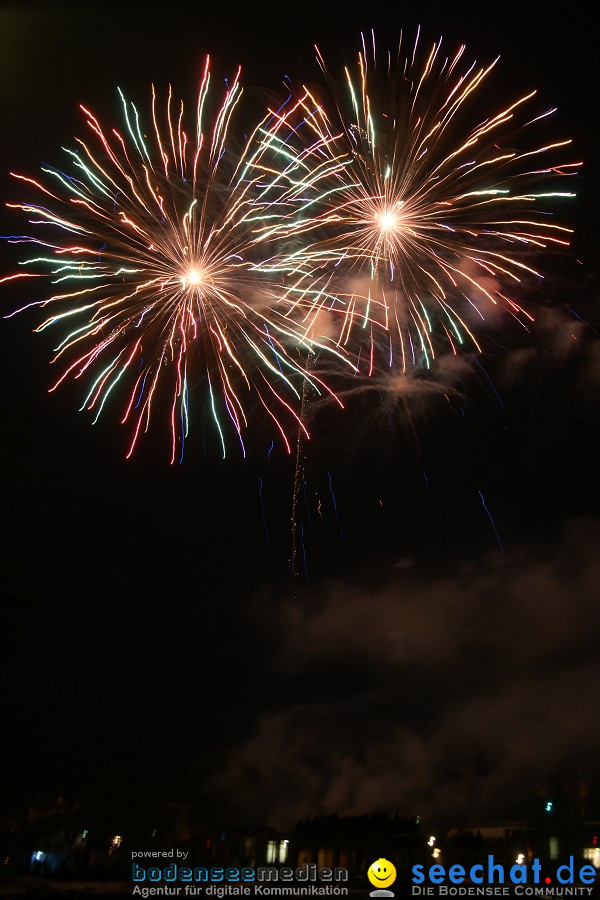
<point x="152" y="255"/>
<point x="414" y="224"/>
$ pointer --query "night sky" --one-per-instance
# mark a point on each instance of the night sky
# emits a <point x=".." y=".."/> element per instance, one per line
<point x="438" y="652"/>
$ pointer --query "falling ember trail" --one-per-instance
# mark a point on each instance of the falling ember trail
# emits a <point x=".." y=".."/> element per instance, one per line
<point x="491" y="518"/>
<point x="335" y="506"/>
<point x="262" y="507"/>
<point x="298" y="481"/>
<point x="498" y="397"/>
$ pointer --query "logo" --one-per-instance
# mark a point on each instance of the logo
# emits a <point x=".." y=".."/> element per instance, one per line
<point x="381" y="874"/>
<point x="491" y="873"/>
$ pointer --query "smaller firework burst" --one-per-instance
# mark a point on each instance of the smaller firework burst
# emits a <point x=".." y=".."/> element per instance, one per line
<point x="408" y="216"/>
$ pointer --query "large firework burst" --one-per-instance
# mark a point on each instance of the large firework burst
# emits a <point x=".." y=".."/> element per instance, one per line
<point x="152" y="255"/>
<point x="408" y="214"/>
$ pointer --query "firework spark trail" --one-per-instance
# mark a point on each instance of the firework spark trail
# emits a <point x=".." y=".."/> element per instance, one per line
<point x="153" y="260"/>
<point x="413" y="224"/>
<point x="493" y="386"/>
<point x="298" y="482"/>
<point x="335" y="506"/>
<point x="491" y="518"/>
<point x="262" y="508"/>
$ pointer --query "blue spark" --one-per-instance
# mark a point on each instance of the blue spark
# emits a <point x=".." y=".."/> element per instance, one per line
<point x="335" y="506"/>
<point x="492" y="521"/>
<point x="262" y="507"/>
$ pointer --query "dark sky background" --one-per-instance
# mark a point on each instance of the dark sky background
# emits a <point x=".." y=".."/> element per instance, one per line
<point x="150" y="628"/>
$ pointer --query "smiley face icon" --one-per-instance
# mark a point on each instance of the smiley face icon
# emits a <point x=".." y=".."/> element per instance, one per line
<point x="381" y="873"/>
